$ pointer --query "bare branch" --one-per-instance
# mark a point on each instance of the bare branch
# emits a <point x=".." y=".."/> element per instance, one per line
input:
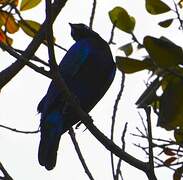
<point x="112" y="35"/>
<point x="149" y="127"/>
<point x="19" y="131"/>
<point x="178" y="16"/>
<point x="93" y="13"/>
<point x="118" y="171"/>
<point x="114" y="119"/>
<point x="5" y="173"/>
<point x="23" y="60"/>
<point x="72" y="135"/>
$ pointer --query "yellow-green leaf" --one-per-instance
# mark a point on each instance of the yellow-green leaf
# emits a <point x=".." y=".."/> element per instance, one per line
<point x="171" y="105"/>
<point x="163" y="52"/>
<point x="127" y="49"/>
<point x="9" y="22"/>
<point x="155" y="7"/>
<point x="129" y="65"/>
<point x="29" y="27"/>
<point x="121" y="19"/>
<point x="28" y="4"/>
<point x="166" y="23"/>
<point x="149" y="95"/>
<point x="178" y="173"/>
<point x="178" y="135"/>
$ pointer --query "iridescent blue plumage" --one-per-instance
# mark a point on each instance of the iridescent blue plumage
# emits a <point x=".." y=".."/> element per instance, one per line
<point x="88" y="70"/>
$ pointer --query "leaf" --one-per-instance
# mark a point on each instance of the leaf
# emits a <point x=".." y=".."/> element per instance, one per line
<point x="28" y="4"/>
<point x="9" y="22"/>
<point x="170" y="160"/>
<point x="155" y="7"/>
<point x="29" y="27"/>
<point x="5" y="39"/>
<point x="127" y="48"/>
<point x="171" y="105"/>
<point x="178" y="173"/>
<point x="149" y="95"/>
<point x="178" y="134"/>
<point x="129" y="65"/>
<point x="163" y="52"/>
<point x="14" y="2"/>
<point x="168" y="152"/>
<point x="166" y="23"/>
<point x="180" y="3"/>
<point x="121" y="19"/>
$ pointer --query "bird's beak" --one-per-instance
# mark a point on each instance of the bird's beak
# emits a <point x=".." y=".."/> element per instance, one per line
<point x="71" y="24"/>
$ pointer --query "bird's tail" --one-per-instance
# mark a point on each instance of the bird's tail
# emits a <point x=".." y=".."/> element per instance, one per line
<point x="51" y="130"/>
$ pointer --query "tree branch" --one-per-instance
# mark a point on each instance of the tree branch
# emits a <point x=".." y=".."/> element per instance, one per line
<point x="118" y="171"/>
<point x="5" y="173"/>
<point x="93" y="13"/>
<point x="72" y="135"/>
<point x="114" y="119"/>
<point x="151" y="154"/>
<point x="25" y="60"/>
<point x="19" y="131"/>
<point x="7" y="74"/>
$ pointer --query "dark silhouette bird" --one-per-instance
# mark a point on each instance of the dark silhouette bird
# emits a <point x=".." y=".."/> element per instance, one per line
<point x="88" y="70"/>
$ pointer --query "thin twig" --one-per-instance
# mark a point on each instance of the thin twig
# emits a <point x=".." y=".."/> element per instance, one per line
<point x="5" y="173"/>
<point x="114" y="118"/>
<point x="72" y="135"/>
<point x="34" y="58"/>
<point x="149" y="128"/>
<point x="112" y="35"/>
<point x="19" y="131"/>
<point x="93" y="13"/>
<point x="178" y="16"/>
<point x="118" y="171"/>
<point x="23" y="59"/>
<point x="144" y="126"/>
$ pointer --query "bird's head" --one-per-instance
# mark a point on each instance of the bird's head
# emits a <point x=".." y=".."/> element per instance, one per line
<point x="80" y="31"/>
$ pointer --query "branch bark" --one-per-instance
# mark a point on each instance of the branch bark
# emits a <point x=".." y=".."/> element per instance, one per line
<point x="73" y="138"/>
<point x="7" y="74"/>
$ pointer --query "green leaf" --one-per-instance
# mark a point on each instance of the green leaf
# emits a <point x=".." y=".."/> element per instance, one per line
<point x="121" y="19"/>
<point x="29" y="27"/>
<point x="171" y="105"/>
<point x="127" y="49"/>
<point x="129" y="65"/>
<point x="178" y="135"/>
<point x="166" y="23"/>
<point x="28" y="4"/>
<point x="149" y="95"/>
<point x="163" y="52"/>
<point x="155" y="7"/>
<point x="178" y="173"/>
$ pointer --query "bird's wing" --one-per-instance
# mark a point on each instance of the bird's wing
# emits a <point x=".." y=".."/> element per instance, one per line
<point x="74" y="59"/>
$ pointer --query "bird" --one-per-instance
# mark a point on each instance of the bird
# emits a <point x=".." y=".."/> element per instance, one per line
<point x="88" y="70"/>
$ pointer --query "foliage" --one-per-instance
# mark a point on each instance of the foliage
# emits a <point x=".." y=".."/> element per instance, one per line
<point x="164" y="59"/>
<point x="11" y="19"/>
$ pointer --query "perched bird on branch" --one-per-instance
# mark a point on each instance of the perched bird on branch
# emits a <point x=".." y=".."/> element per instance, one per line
<point x="88" y="70"/>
